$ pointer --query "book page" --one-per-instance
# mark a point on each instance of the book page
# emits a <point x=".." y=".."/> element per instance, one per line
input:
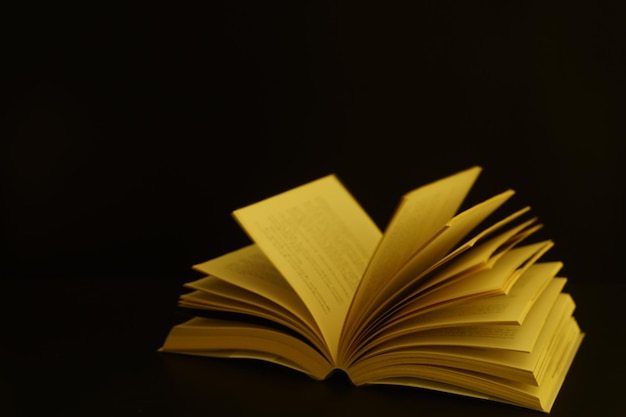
<point x="420" y="216"/>
<point x="506" y="336"/>
<point x="456" y="229"/>
<point x="320" y="239"/>
<point x="525" y="367"/>
<point x="250" y="269"/>
<point x="510" y="308"/>
<point x="473" y="297"/>
<point x="214" y="295"/>
<point x="479" y="257"/>
<point x="491" y="336"/>
<point x="233" y="339"/>
<point x="497" y="280"/>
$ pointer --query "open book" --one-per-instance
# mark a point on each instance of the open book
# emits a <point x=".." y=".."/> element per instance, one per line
<point x="438" y="301"/>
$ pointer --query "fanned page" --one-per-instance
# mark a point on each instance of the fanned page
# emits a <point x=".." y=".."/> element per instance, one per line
<point x="420" y="217"/>
<point x="245" y="281"/>
<point x="249" y="268"/>
<point x="321" y="240"/>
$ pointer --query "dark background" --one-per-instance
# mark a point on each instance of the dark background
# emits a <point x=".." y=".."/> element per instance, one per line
<point x="130" y="132"/>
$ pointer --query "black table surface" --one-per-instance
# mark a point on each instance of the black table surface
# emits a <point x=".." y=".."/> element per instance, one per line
<point x="89" y="348"/>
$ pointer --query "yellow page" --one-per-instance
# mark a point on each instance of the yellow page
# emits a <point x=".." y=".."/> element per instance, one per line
<point x="483" y="252"/>
<point x="497" y="280"/>
<point x="233" y="339"/>
<point x="320" y="239"/>
<point x="463" y="262"/>
<point x="249" y="304"/>
<point x="456" y="229"/>
<point x="421" y="215"/>
<point x="220" y="294"/>
<point x="479" y="257"/>
<point x="499" y="336"/>
<point x="526" y="367"/>
<point x="250" y="269"/>
<point x="214" y="293"/>
<point x="510" y="308"/>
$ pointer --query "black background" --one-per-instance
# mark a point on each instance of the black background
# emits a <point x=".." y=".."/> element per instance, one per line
<point x="130" y="132"/>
